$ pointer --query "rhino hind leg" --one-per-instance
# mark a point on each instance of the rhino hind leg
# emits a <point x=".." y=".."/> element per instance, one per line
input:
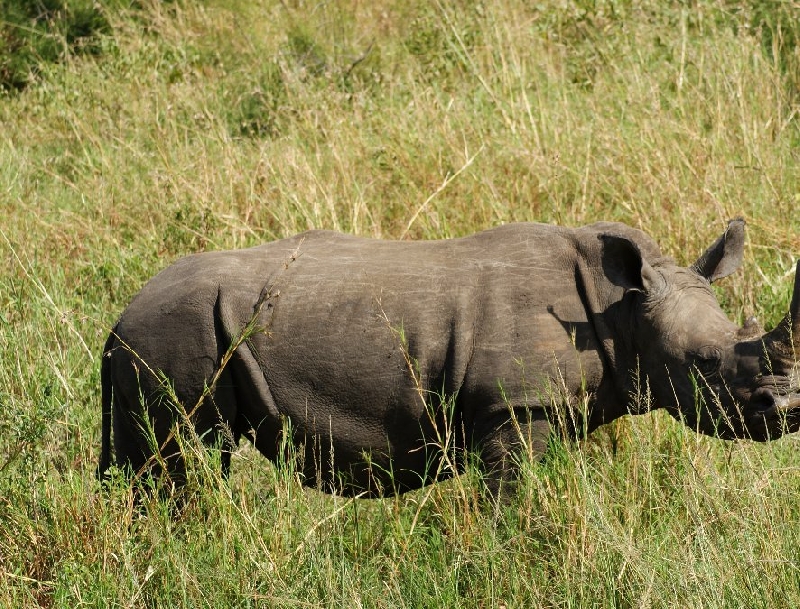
<point x="216" y="420"/>
<point x="145" y="421"/>
<point x="142" y="448"/>
<point x="510" y="441"/>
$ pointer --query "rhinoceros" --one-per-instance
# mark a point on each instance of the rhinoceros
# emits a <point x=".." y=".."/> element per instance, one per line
<point x="381" y="365"/>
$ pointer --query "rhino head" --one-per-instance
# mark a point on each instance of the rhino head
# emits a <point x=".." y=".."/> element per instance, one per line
<point x="719" y="378"/>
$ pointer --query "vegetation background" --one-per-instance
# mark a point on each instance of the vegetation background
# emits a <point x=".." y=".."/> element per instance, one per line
<point x="134" y="132"/>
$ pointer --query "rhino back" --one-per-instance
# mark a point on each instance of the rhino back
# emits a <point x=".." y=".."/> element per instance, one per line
<point x="358" y="339"/>
<point x="362" y="330"/>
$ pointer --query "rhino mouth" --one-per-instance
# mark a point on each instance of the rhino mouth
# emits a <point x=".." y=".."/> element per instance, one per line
<point x="777" y="409"/>
<point x="788" y="404"/>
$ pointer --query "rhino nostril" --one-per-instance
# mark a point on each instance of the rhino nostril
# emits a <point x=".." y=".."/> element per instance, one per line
<point x="763" y="400"/>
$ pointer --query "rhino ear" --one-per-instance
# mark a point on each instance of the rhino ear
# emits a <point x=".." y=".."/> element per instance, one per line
<point x="625" y="266"/>
<point x="725" y="254"/>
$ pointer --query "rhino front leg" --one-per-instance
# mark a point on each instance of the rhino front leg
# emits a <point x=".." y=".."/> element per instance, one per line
<point x="512" y="438"/>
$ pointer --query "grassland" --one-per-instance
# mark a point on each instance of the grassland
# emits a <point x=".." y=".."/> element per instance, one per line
<point x="207" y="125"/>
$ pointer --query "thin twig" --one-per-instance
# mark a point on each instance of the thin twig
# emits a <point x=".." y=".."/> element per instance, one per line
<point x="449" y="178"/>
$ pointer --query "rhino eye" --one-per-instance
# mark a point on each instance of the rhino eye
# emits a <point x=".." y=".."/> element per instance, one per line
<point x="707" y="361"/>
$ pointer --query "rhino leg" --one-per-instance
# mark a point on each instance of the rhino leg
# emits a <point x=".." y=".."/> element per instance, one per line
<point x="215" y="421"/>
<point x="509" y="441"/>
<point x="138" y="438"/>
<point x="144" y="419"/>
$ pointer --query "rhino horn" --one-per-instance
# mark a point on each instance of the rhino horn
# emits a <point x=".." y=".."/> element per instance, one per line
<point x="783" y="342"/>
<point x="794" y="310"/>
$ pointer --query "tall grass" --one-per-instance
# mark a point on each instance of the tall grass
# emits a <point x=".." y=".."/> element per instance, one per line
<point x="219" y="125"/>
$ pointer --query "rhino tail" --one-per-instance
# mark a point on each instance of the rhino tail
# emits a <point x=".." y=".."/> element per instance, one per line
<point x="106" y="405"/>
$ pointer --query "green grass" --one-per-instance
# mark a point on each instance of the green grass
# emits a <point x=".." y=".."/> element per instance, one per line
<point x="199" y="126"/>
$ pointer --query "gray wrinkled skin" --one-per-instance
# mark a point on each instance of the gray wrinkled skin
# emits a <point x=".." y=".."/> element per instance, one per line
<point x="373" y="353"/>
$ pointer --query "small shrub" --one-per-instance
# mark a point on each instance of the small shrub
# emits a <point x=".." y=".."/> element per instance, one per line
<point x="257" y="111"/>
<point x="33" y="32"/>
<point x="779" y="26"/>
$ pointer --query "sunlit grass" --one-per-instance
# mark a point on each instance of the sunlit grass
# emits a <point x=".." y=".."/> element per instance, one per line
<point x="219" y="125"/>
